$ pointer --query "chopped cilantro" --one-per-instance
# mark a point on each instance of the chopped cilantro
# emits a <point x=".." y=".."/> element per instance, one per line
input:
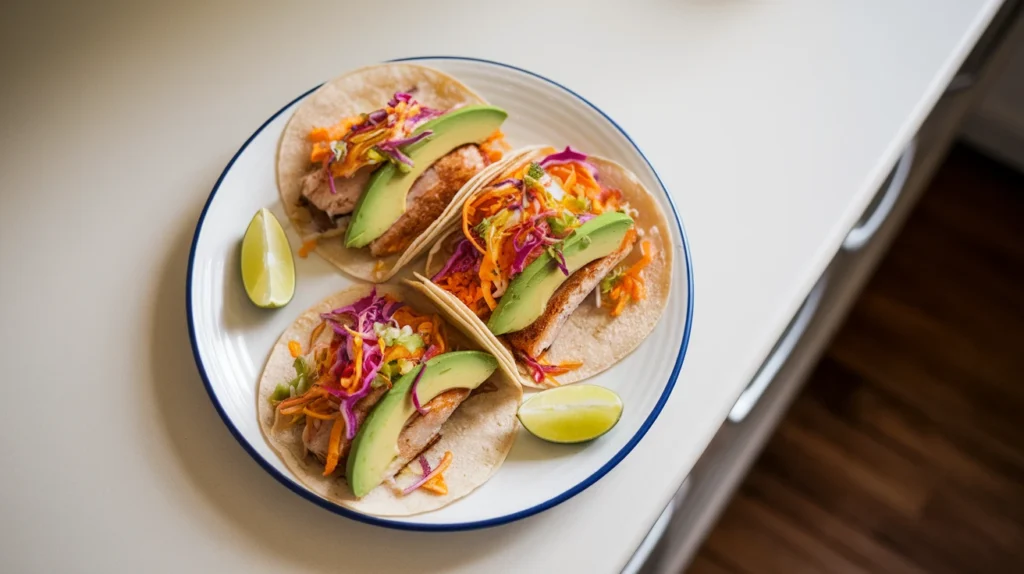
<point x="611" y="279"/>
<point x="563" y="223"/>
<point x="484" y="226"/>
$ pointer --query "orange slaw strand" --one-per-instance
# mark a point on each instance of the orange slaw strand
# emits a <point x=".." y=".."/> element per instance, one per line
<point x="313" y="414"/>
<point x="307" y="248"/>
<point x="334" y="446"/>
<point x="648" y="250"/>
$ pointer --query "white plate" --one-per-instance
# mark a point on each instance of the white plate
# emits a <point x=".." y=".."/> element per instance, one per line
<point x="231" y="338"/>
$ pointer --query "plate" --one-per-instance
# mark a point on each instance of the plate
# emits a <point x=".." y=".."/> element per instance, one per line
<point x="231" y="338"/>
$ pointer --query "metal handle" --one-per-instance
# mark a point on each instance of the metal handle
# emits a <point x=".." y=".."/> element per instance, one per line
<point x="860" y="235"/>
<point x="770" y="368"/>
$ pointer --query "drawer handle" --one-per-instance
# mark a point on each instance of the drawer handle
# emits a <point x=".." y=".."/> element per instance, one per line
<point x="860" y="235"/>
<point x="771" y="366"/>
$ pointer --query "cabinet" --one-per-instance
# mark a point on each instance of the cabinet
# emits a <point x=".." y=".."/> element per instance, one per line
<point x="713" y="480"/>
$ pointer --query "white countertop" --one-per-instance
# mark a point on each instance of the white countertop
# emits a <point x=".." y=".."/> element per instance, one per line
<point x="770" y="122"/>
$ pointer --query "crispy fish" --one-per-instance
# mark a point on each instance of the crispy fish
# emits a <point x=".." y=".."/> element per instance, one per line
<point x="539" y="335"/>
<point x="317" y="436"/>
<point x="418" y="434"/>
<point x="327" y="207"/>
<point x="422" y="431"/>
<point x="429" y="196"/>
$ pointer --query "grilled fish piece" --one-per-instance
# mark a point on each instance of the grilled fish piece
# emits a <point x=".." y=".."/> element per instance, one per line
<point x="418" y="434"/>
<point x="318" y="436"/>
<point x="538" y="336"/>
<point x="428" y="197"/>
<point x="316" y="190"/>
<point x="422" y="431"/>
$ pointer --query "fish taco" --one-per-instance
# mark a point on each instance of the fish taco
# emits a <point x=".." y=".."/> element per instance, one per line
<point x="369" y="163"/>
<point x="375" y="404"/>
<point x="560" y="264"/>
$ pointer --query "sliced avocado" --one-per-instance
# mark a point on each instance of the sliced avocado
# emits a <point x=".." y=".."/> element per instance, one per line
<point x="527" y="295"/>
<point x="383" y="200"/>
<point x="376" y="444"/>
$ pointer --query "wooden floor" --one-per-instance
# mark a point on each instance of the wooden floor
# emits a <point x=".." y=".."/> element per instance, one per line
<point x="905" y="452"/>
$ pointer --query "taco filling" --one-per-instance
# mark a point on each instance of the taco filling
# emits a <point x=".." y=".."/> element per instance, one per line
<point x="374" y="385"/>
<point x="534" y="245"/>
<point x="383" y="177"/>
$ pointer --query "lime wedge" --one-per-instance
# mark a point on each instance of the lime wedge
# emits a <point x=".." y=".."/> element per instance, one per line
<point x="574" y="413"/>
<point x="268" y="270"/>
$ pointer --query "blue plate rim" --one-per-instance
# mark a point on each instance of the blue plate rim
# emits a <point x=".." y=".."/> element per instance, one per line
<point x="460" y="526"/>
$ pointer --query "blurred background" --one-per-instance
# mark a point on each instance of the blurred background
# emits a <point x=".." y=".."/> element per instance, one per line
<point x="884" y="432"/>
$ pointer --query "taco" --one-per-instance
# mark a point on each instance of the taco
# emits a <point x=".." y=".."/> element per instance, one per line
<point x="529" y="247"/>
<point x="375" y="404"/>
<point x="368" y="163"/>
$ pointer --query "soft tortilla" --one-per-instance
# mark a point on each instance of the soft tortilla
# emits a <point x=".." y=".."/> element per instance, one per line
<point x="479" y="433"/>
<point x="360" y="91"/>
<point x="590" y="334"/>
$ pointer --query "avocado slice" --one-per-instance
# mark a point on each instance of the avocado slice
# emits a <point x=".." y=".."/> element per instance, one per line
<point x="383" y="200"/>
<point x="527" y="295"/>
<point x="376" y="444"/>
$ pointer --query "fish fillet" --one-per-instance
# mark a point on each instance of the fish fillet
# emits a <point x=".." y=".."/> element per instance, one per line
<point x="539" y="335"/>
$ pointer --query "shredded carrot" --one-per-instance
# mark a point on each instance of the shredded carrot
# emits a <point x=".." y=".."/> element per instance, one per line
<point x="466" y="208"/>
<point x="628" y="238"/>
<point x="620" y="306"/>
<point x="569" y="183"/>
<point x="334" y="446"/>
<point x="485" y="287"/>
<point x="358" y="145"/>
<point x="495" y="146"/>
<point x="436" y="485"/>
<point x="406" y="317"/>
<point x="313" y="393"/>
<point x="439" y="486"/>
<point x="647" y="249"/>
<point x="395" y="353"/>
<point x="307" y="248"/>
<point x="631" y="286"/>
<point x="311" y="413"/>
<point x="295" y="348"/>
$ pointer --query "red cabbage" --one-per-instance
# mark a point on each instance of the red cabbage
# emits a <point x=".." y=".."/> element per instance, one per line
<point x="537" y="370"/>
<point x="569" y="155"/>
<point x="415" y="386"/>
<point x="390" y="148"/>
<point x="464" y="258"/>
<point x="523" y="252"/>
<point x="373" y="120"/>
<point x="560" y="260"/>
<point x="432" y="351"/>
<point x="510" y="181"/>
<point x="399" y="97"/>
<point x="408" y="140"/>
<point x="396" y="155"/>
<point x="330" y="178"/>
<point x="423" y="115"/>
<point x="364" y="312"/>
